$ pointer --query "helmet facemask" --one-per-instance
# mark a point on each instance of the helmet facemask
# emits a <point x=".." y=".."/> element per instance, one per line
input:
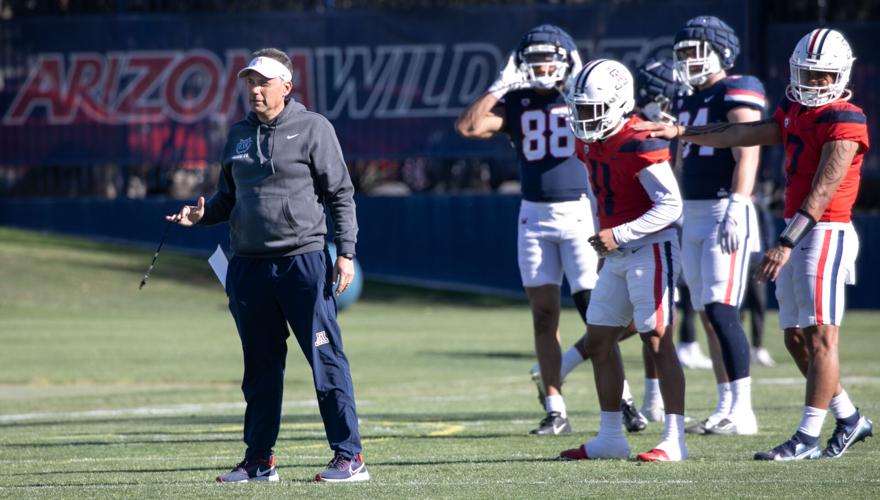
<point x="592" y="121"/>
<point x="599" y="99"/>
<point x="545" y="64"/>
<point x="695" y="61"/>
<point x="803" y="91"/>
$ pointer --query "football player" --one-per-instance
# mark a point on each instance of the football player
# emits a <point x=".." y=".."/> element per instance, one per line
<point x="825" y="138"/>
<point x="719" y="228"/>
<point x="638" y="202"/>
<point x="556" y="214"/>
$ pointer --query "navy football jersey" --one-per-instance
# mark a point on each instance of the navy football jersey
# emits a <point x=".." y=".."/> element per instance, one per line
<point x="538" y="128"/>
<point x="707" y="172"/>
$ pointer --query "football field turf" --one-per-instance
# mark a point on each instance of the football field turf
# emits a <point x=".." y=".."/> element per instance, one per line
<point x="107" y="391"/>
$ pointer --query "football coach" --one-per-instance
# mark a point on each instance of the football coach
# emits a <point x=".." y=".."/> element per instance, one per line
<point x="280" y="167"/>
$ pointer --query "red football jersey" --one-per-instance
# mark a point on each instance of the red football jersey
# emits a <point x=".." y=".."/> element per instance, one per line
<point x="804" y="131"/>
<point x="614" y="165"/>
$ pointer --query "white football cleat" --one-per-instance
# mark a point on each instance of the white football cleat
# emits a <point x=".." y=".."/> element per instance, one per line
<point x="690" y="356"/>
<point x="760" y="356"/>
<point x="744" y="424"/>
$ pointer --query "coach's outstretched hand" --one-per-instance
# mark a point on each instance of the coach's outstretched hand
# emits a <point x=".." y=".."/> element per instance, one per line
<point x="662" y="130"/>
<point x="190" y="214"/>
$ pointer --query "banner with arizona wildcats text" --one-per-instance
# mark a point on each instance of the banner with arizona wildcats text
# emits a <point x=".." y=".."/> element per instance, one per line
<point x="163" y="88"/>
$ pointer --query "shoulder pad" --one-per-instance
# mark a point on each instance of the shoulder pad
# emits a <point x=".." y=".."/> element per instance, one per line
<point x="842" y="114"/>
<point x="641" y="144"/>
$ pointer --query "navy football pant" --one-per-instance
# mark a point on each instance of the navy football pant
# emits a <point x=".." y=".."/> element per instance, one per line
<point x="265" y="295"/>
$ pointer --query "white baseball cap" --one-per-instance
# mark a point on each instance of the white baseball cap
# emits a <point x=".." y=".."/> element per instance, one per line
<point x="268" y="67"/>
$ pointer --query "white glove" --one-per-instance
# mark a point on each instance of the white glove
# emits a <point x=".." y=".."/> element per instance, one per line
<point x="510" y="78"/>
<point x="733" y="224"/>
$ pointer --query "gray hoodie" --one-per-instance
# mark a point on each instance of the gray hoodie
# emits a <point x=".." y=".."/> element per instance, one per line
<point x="275" y="180"/>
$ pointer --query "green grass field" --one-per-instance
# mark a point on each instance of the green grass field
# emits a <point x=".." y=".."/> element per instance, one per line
<point x="107" y="391"/>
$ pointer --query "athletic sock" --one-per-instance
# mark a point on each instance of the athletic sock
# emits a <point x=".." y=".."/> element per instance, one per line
<point x="741" y="391"/>
<point x="570" y="359"/>
<point x="555" y="403"/>
<point x="610" y="442"/>
<point x="811" y="423"/>
<point x="653" y="397"/>
<point x="725" y="400"/>
<point x="673" y="438"/>
<point x="609" y="424"/>
<point x="843" y="409"/>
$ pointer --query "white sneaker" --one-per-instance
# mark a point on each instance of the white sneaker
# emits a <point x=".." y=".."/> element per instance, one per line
<point x="761" y="356"/>
<point x="690" y="356"/>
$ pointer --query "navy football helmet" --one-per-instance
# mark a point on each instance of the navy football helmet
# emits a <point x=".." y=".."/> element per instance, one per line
<point x="547" y="56"/>
<point x="704" y="46"/>
<point x="655" y="80"/>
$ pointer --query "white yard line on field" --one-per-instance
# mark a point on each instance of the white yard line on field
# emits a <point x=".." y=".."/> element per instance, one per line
<point x="183" y="409"/>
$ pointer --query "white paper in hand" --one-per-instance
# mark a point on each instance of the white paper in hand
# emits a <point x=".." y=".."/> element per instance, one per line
<point x="219" y="264"/>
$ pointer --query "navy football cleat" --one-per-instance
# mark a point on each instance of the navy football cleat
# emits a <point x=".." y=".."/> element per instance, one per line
<point x="790" y="450"/>
<point x="845" y="436"/>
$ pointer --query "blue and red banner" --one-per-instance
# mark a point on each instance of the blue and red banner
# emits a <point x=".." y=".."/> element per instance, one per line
<point x="163" y="89"/>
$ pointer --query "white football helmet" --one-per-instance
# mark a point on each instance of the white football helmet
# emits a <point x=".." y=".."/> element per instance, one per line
<point x="826" y="51"/>
<point x="600" y="97"/>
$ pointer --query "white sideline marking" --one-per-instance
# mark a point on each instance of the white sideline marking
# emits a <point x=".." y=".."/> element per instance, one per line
<point x="146" y="411"/>
<point x="802" y="381"/>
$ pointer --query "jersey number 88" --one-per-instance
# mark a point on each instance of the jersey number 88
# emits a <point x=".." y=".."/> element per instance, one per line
<point x="534" y="124"/>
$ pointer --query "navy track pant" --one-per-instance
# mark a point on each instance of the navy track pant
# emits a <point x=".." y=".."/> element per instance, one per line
<point x="265" y="295"/>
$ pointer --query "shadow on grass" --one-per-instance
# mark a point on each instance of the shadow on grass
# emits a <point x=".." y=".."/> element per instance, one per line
<point x="388" y="293"/>
<point x="172" y="270"/>
<point x="511" y="355"/>
<point x="179" y="267"/>
<point x="235" y="438"/>
<point x="282" y="468"/>
<point x="206" y="420"/>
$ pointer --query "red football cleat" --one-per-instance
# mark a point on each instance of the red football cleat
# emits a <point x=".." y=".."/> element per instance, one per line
<point x="579" y="453"/>
<point x="655" y="455"/>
